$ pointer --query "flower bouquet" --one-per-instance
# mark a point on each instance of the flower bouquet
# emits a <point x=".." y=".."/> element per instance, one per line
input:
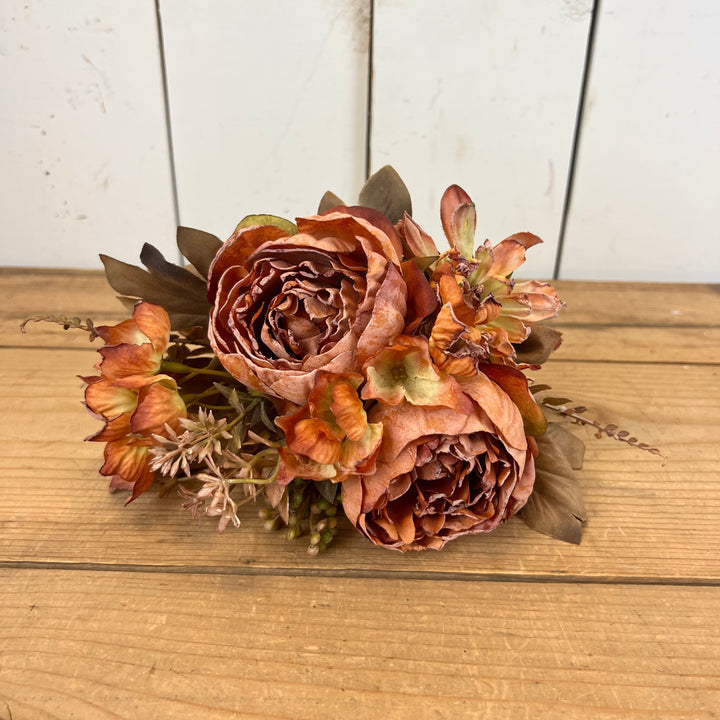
<point x="337" y="365"/>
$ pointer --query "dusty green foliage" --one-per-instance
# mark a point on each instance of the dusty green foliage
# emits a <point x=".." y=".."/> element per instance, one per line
<point x="199" y="247"/>
<point x="385" y="191"/>
<point x="328" y="201"/>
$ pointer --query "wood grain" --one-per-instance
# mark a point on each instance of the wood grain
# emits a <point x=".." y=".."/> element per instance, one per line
<point x="122" y="612"/>
<point x="56" y="507"/>
<point x="186" y="646"/>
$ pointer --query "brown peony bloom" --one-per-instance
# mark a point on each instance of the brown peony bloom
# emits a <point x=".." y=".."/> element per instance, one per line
<point x="288" y="306"/>
<point x="441" y="473"/>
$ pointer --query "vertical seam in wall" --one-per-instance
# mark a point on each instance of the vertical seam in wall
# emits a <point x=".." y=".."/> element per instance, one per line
<point x="584" y="88"/>
<point x="368" y="121"/>
<point x="168" y="126"/>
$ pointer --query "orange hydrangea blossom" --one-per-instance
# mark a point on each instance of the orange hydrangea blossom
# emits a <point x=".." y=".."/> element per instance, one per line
<point x="329" y="437"/>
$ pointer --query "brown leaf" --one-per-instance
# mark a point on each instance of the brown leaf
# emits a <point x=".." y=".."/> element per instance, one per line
<point x="541" y="342"/>
<point x="555" y="506"/>
<point x="328" y="201"/>
<point x="159" y="267"/>
<point x="385" y="191"/>
<point x="198" y="247"/>
<point x="135" y="282"/>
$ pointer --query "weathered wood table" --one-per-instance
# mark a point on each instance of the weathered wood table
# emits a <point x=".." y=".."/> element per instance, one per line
<point x="138" y="612"/>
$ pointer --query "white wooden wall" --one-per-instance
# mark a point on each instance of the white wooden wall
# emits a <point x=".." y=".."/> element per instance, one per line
<point x="268" y="104"/>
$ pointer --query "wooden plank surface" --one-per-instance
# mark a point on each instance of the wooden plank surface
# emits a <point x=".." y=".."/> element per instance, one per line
<point x="263" y="646"/>
<point x="637" y="521"/>
<point x="140" y="612"/>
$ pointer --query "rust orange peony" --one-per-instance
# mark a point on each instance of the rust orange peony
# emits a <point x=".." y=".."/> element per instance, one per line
<point x="286" y="307"/>
<point x="441" y="474"/>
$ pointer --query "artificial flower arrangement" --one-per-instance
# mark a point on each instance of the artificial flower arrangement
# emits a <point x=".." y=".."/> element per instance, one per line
<point x="341" y="364"/>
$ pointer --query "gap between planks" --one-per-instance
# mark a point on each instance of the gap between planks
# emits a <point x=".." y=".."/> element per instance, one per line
<point x="363" y="574"/>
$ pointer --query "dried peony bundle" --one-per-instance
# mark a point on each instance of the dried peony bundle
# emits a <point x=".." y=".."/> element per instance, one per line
<point x="341" y="363"/>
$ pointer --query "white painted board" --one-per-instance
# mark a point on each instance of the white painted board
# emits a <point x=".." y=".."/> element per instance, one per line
<point x="84" y="162"/>
<point x="267" y="103"/>
<point x="483" y="94"/>
<point x="646" y="202"/>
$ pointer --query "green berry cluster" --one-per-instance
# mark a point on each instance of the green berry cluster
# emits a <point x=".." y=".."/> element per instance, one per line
<point x="309" y="513"/>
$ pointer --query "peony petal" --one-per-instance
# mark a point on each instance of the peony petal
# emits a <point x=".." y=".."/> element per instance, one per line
<point x="515" y="384"/>
<point x="421" y="299"/>
<point x="387" y="317"/>
<point x="416" y="242"/>
<point x="501" y="410"/>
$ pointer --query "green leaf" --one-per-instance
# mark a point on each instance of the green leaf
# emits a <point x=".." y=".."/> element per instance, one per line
<point x="463" y="222"/>
<point x="285" y="225"/>
<point x="329" y="200"/>
<point x="555" y="506"/>
<point x="386" y="192"/>
<point x="198" y="247"/>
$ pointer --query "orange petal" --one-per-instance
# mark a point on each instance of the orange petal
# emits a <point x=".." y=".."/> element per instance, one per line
<point x="128" y="461"/>
<point x="349" y="411"/>
<point x="447" y="328"/>
<point x="114" y="429"/>
<point x="421" y="298"/>
<point x="109" y="400"/>
<point x="126" y="359"/>
<point x="316" y="440"/>
<point x="515" y="384"/>
<point x="509" y="254"/>
<point x="154" y="322"/>
<point x="124" y="332"/>
<point x="157" y="404"/>
<point x="452" y="198"/>
<point x="363" y="452"/>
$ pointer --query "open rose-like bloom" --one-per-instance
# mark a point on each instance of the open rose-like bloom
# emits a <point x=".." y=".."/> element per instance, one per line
<point x="441" y="473"/>
<point x="130" y="397"/>
<point x="286" y="307"/>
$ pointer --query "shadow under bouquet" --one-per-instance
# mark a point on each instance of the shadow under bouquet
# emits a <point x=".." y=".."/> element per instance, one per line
<point x="338" y="365"/>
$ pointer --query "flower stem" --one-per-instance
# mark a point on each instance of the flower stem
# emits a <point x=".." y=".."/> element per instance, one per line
<point x="180" y="368"/>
